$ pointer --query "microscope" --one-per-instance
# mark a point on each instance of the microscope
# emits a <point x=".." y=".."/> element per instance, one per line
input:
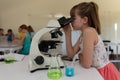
<point x="40" y="55"/>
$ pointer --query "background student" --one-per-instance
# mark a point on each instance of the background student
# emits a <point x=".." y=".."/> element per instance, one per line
<point x="31" y="31"/>
<point x="1" y="32"/>
<point x="10" y="35"/>
<point x="25" y="40"/>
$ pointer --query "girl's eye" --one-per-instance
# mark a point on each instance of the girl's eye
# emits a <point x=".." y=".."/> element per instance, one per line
<point x="75" y="18"/>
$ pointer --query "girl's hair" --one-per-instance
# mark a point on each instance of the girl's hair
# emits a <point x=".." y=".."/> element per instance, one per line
<point x="23" y="26"/>
<point x="1" y="29"/>
<point x="30" y="29"/>
<point x="9" y="30"/>
<point x="90" y="10"/>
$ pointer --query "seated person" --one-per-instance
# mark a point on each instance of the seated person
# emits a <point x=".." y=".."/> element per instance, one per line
<point x="10" y="35"/>
<point x="1" y="32"/>
<point x="24" y="40"/>
<point x="31" y="31"/>
<point x="3" y="38"/>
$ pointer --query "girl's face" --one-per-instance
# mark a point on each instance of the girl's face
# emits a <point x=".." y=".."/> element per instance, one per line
<point x="9" y="33"/>
<point x="24" y="30"/>
<point x="79" y="22"/>
<point x="1" y="32"/>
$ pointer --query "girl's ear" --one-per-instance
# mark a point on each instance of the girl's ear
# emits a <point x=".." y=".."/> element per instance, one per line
<point x="85" y="20"/>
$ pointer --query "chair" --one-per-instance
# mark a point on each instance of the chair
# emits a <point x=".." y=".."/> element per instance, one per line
<point x="108" y="48"/>
<point x="114" y="58"/>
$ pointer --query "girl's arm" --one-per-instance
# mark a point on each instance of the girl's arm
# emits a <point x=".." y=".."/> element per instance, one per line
<point x="74" y="49"/>
<point x="20" y="41"/>
<point x="71" y="50"/>
<point x="89" y="39"/>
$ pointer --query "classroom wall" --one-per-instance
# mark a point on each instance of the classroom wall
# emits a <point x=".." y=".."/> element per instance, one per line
<point x="38" y="12"/>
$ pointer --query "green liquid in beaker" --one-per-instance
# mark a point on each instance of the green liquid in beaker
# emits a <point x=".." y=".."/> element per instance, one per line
<point x="9" y="59"/>
<point x="54" y="73"/>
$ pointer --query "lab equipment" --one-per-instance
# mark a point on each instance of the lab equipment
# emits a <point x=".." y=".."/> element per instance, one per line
<point x="41" y="46"/>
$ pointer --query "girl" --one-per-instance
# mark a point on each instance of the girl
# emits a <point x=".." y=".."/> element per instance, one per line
<point x="31" y="31"/>
<point x="24" y="40"/>
<point x="90" y="44"/>
<point x="10" y="35"/>
<point x="1" y="32"/>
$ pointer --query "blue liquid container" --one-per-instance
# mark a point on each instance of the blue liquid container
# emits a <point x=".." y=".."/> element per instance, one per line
<point x="69" y="71"/>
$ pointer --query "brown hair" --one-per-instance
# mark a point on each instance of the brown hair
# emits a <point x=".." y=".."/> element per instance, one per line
<point x="30" y="29"/>
<point x="9" y="30"/>
<point x="90" y="10"/>
<point x="1" y="29"/>
<point x="23" y="26"/>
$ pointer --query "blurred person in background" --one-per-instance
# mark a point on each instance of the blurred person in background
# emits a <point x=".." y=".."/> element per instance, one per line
<point x="25" y="40"/>
<point x="20" y="32"/>
<point x="1" y="32"/>
<point x="31" y="31"/>
<point x="10" y="35"/>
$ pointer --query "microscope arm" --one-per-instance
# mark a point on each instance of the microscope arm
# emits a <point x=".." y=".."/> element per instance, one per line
<point x="37" y="60"/>
<point x="34" y="44"/>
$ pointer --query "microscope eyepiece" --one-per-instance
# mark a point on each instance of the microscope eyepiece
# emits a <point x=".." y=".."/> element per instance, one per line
<point x="64" y="21"/>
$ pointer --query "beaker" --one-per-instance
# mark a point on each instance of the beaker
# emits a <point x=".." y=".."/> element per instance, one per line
<point x="69" y="70"/>
<point x="54" y="71"/>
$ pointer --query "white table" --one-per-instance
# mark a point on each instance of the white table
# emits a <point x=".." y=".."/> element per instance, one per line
<point x="20" y="71"/>
<point x="7" y="46"/>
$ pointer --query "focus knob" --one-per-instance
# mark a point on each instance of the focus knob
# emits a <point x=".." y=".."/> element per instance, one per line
<point x="39" y="60"/>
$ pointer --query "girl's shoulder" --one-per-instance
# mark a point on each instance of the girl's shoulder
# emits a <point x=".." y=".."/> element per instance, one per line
<point x="89" y="31"/>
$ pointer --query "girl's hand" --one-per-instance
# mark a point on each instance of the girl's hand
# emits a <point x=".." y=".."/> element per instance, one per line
<point x="67" y="29"/>
<point x="15" y="41"/>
